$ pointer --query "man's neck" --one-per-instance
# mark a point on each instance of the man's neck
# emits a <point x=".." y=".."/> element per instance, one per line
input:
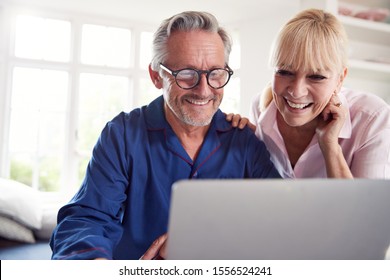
<point x="191" y="137"/>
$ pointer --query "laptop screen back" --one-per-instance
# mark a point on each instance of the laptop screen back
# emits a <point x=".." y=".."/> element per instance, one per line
<point x="279" y="219"/>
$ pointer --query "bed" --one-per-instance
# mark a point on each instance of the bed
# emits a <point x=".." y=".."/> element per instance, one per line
<point x="27" y="219"/>
<point x="14" y="250"/>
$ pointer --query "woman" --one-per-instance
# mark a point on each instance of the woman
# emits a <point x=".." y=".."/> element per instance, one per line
<point x="312" y="126"/>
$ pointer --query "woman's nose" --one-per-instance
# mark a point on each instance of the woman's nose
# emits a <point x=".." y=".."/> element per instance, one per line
<point x="297" y="88"/>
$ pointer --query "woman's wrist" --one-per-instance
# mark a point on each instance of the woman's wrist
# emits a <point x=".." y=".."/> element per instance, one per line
<point x="331" y="150"/>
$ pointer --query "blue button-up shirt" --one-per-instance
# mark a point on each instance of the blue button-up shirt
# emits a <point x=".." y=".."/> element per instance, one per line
<point x="123" y="203"/>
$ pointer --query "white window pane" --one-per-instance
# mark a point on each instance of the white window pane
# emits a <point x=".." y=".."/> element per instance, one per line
<point x="36" y="89"/>
<point x="51" y="133"/>
<point x="36" y="148"/>
<point x="148" y="92"/>
<point x="118" y="53"/>
<point x="50" y="150"/>
<point x="21" y="167"/>
<point x="37" y="127"/>
<point x="54" y="90"/>
<point x="235" y="55"/>
<point x="103" y="94"/>
<point x="146" y="49"/>
<point x="58" y="36"/>
<point x="24" y="130"/>
<point x="29" y="37"/>
<point x="26" y="88"/>
<point x="49" y="175"/>
<point x="105" y="46"/>
<point x="101" y="98"/>
<point x="33" y="131"/>
<point x="43" y="174"/>
<point x="93" y="44"/>
<point x="39" y="38"/>
<point x="231" y="97"/>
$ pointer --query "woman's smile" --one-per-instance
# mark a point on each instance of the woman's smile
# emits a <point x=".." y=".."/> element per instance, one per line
<point x="299" y="106"/>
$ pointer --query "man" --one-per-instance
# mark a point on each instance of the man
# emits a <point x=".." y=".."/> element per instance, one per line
<point x="123" y="203"/>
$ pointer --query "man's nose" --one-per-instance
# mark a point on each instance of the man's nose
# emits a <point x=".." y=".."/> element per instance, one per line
<point x="203" y="85"/>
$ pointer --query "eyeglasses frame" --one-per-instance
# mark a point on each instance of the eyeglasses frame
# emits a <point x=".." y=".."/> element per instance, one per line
<point x="174" y="73"/>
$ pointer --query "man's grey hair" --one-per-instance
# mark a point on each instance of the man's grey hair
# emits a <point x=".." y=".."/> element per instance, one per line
<point x="186" y="21"/>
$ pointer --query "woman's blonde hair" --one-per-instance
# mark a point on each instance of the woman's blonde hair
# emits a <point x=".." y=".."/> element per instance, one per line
<point x="313" y="40"/>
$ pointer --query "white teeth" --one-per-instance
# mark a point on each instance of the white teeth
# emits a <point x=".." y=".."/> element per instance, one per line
<point x="297" y="106"/>
<point x="198" y="102"/>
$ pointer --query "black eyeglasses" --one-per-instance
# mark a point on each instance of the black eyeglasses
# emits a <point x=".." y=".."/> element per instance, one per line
<point x="189" y="78"/>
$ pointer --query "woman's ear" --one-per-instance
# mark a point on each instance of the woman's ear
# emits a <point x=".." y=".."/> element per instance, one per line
<point x="344" y="74"/>
<point x="155" y="77"/>
<point x="342" y="77"/>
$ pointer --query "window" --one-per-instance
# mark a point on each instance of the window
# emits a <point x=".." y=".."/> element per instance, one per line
<point x="101" y="97"/>
<point x="67" y="80"/>
<point x="59" y="102"/>
<point x="37" y="126"/>
<point x="106" y="46"/>
<point x="38" y="103"/>
<point x="231" y="98"/>
<point x="147" y="92"/>
<point x="40" y="38"/>
<point x="146" y="49"/>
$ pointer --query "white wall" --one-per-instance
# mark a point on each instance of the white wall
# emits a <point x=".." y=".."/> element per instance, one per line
<point x="256" y="41"/>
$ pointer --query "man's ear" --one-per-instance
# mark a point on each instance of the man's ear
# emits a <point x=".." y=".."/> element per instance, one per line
<point x="155" y="77"/>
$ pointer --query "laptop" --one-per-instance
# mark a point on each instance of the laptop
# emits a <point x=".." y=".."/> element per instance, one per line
<point x="279" y="219"/>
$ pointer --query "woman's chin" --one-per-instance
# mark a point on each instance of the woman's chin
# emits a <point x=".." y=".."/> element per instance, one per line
<point x="296" y="121"/>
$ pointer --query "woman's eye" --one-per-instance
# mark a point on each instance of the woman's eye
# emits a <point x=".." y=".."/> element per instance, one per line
<point x="283" y="72"/>
<point x="317" y="77"/>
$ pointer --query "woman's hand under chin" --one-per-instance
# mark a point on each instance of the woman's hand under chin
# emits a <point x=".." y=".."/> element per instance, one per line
<point x="330" y="124"/>
<point x="328" y="130"/>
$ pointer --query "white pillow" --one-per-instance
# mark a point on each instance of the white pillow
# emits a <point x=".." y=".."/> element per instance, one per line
<point x="21" y="203"/>
<point x="12" y="230"/>
<point x="49" y="222"/>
